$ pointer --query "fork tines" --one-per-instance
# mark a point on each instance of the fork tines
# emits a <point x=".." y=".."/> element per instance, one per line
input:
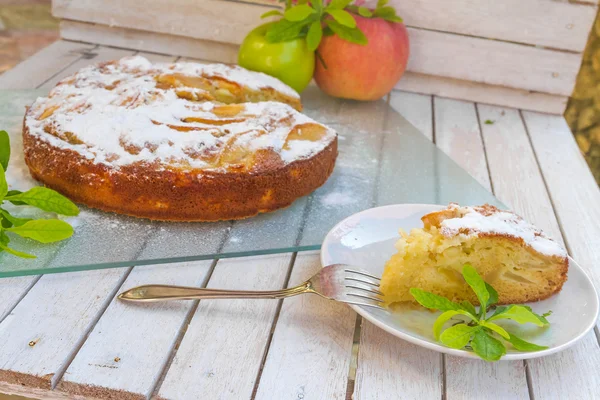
<point x="370" y="292"/>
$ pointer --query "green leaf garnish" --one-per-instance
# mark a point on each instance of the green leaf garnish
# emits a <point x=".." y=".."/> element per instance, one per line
<point x="298" y="13"/>
<point x="433" y="301"/>
<point x="284" y="30"/>
<point x="487" y="347"/>
<point x="520" y="314"/>
<point x="522" y="345"/>
<point x="44" y="230"/>
<point x="47" y="200"/>
<point x="4" y="149"/>
<point x="343" y="17"/>
<point x="445" y="317"/>
<point x="477" y="284"/>
<point x="3" y="184"/>
<point x="14" y="221"/>
<point x="483" y="334"/>
<point x="352" y="35"/>
<point x="496" y="328"/>
<point x="314" y="35"/>
<point x="458" y="336"/>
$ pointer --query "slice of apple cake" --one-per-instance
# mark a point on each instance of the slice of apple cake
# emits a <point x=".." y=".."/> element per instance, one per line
<point x="517" y="259"/>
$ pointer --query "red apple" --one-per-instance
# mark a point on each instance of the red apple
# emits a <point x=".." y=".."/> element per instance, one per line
<point x="363" y="72"/>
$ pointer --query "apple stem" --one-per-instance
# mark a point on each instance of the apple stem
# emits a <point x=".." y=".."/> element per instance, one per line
<point x="320" y="59"/>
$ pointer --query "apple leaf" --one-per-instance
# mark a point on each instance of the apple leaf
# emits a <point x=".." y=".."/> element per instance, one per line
<point x="343" y="17"/>
<point x="314" y="35"/>
<point x="272" y="13"/>
<point x="353" y="35"/>
<point x="365" y="12"/>
<point x="299" y="13"/>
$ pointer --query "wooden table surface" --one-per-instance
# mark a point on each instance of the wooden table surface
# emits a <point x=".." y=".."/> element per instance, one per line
<point x="64" y="335"/>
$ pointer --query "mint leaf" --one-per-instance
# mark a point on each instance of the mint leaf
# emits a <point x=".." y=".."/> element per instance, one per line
<point x="4" y="149"/>
<point x="487" y="347"/>
<point x="12" y="193"/>
<point x="445" y="317"/>
<point x="365" y="12"/>
<point x="433" y="301"/>
<point x="387" y="13"/>
<point x="271" y="13"/>
<point x="343" y="17"/>
<point x="314" y="35"/>
<point x="284" y="30"/>
<point x="523" y="345"/>
<point x="44" y="230"/>
<point x="477" y="284"/>
<point x="458" y="336"/>
<point x="318" y="4"/>
<point x="519" y="314"/>
<point x="381" y="3"/>
<point x="298" y="13"/>
<point x="339" y="4"/>
<point x="542" y="317"/>
<point x="16" y="252"/>
<point x="496" y="328"/>
<point x="14" y="221"/>
<point x="3" y="185"/>
<point x="353" y="35"/>
<point x="47" y="200"/>
<point x="493" y="295"/>
<point x="468" y="307"/>
<point x="499" y="310"/>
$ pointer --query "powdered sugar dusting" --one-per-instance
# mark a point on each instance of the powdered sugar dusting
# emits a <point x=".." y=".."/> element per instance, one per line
<point x="476" y="220"/>
<point x="118" y="115"/>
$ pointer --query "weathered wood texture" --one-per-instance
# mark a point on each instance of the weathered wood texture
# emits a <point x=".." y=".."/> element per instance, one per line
<point x="468" y="49"/>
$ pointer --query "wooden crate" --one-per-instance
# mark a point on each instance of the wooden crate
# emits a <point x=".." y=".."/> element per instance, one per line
<point x="518" y="53"/>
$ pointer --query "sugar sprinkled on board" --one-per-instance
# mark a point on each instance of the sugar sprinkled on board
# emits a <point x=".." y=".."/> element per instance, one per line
<point x="338" y="199"/>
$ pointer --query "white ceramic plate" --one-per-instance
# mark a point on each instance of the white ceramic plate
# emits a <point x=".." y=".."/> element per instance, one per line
<point x="366" y="240"/>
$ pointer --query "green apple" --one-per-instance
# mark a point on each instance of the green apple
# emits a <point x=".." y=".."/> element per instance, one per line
<point x="291" y="61"/>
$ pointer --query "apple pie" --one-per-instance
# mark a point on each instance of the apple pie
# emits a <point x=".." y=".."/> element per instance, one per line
<point x="517" y="259"/>
<point x="179" y="142"/>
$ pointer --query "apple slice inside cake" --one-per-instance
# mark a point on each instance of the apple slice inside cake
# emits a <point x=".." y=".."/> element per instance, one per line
<point x="517" y="259"/>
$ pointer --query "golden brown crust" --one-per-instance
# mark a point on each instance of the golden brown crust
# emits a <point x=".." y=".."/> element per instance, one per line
<point x="175" y="195"/>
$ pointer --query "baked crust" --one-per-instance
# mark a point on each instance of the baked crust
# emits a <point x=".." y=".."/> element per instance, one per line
<point x="233" y="181"/>
<point x="175" y="195"/>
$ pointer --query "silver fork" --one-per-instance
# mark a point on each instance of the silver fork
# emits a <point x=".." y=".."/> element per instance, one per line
<point x="338" y="282"/>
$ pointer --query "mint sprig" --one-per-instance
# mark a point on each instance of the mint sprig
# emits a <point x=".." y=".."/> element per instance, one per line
<point x="473" y="329"/>
<point x="313" y="21"/>
<point x="40" y="230"/>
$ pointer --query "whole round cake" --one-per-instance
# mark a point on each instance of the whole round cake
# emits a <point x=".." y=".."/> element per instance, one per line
<point x="180" y="142"/>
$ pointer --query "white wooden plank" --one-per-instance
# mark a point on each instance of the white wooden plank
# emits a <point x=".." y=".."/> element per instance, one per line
<point x="416" y="109"/>
<point x="482" y="93"/>
<point x="133" y="340"/>
<point x="11" y="292"/>
<point x="561" y="25"/>
<point x="50" y="323"/>
<point x="309" y="356"/>
<point x="391" y="368"/>
<point x="457" y="134"/>
<point x="518" y="182"/>
<point x="492" y="62"/>
<point x="223" y="347"/>
<point x="94" y="56"/>
<point x="149" y="41"/>
<point x="43" y="65"/>
<point x="513" y="167"/>
<point x="572" y="188"/>
<point x="476" y="379"/>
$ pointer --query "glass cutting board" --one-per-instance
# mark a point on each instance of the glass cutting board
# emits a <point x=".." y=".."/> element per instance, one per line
<point x="382" y="160"/>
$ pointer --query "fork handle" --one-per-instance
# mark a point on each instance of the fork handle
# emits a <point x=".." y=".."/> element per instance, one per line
<point x="149" y="293"/>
